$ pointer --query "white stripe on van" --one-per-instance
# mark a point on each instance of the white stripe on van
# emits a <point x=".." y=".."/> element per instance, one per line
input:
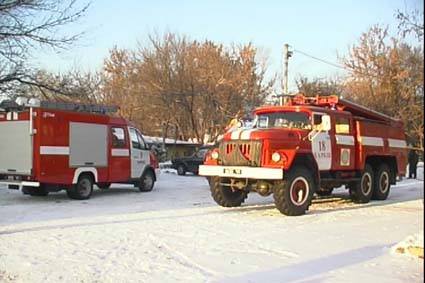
<point x="54" y="150"/>
<point x="120" y="152"/>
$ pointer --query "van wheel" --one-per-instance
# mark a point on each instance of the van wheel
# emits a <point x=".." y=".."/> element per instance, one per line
<point x="382" y="183"/>
<point x="225" y="196"/>
<point x="147" y="181"/>
<point x="293" y="195"/>
<point x="181" y="170"/>
<point x="82" y="190"/>
<point x="361" y="192"/>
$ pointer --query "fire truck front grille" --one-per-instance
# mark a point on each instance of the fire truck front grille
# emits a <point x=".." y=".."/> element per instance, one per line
<point x="241" y="153"/>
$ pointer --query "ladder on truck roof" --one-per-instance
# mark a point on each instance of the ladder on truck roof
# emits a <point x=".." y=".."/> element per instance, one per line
<point x="335" y="102"/>
<point x="67" y="106"/>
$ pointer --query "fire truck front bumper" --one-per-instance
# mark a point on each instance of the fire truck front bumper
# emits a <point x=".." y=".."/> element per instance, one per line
<point x="244" y="172"/>
<point x="18" y="185"/>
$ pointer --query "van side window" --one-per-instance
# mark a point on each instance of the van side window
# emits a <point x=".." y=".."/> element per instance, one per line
<point x="134" y="140"/>
<point x="141" y="141"/>
<point x="342" y="125"/>
<point x="118" y="137"/>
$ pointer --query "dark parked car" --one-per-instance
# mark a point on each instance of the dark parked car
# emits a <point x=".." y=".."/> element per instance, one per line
<point x="190" y="163"/>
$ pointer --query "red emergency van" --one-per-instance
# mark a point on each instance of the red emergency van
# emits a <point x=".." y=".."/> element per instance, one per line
<point x="50" y="146"/>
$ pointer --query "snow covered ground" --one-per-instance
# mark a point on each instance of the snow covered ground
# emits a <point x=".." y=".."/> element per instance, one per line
<point x="176" y="233"/>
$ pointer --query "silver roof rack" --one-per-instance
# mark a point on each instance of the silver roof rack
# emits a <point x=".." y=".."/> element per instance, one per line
<point x="79" y="107"/>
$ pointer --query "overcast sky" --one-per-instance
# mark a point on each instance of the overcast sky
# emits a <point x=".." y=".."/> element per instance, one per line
<point x="322" y="28"/>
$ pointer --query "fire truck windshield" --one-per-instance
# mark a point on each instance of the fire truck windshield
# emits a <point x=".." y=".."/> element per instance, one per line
<point x="298" y="120"/>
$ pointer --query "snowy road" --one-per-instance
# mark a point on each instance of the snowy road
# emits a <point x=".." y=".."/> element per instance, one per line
<point x="177" y="233"/>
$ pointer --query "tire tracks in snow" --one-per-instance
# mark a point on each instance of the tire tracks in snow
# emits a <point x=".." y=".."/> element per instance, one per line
<point x="180" y="258"/>
<point x="281" y="254"/>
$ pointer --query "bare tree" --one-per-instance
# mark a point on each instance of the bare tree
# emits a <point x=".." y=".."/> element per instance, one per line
<point x="387" y="75"/>
<point x="319" y="86"/>
<point x="411" y="22"/>
<point x="26" y="25"/>
<point x="188" y="86"/>
<point x="73" y="85"/>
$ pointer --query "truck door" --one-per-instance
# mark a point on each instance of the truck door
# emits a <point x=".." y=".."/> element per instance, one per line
<point x="139" y="154"/>
<point x="344" y="152"/>
<point x="119" y="161"/>
<point x="321" y="145"/>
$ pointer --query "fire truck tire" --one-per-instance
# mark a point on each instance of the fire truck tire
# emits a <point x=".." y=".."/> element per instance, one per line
<point x="83" y="189"/>
<point x="293" y="195"/>
<point x="224" y="196"/>
<point x="361" y="192"/>
<point x="36" y="192"/>
<point x="181" y="170"/>
<point x="382" y="183"/>
<point x="147" y="181"/>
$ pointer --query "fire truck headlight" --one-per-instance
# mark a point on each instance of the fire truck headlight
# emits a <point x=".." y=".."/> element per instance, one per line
<point x="214" y="155"/>
<point x="276" y="157"/>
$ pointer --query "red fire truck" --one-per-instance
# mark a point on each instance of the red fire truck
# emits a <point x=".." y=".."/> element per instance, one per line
<point x="47" y="146"/>
<point x="309" y="145"/>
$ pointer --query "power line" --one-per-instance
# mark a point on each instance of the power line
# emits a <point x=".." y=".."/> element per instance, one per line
<point x="335" y="65"/>
<point x="321" y="60"/>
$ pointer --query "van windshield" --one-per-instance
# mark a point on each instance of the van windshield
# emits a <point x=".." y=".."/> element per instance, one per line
<point x="298" y="120"/>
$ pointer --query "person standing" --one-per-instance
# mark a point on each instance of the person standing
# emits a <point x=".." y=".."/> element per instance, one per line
<point x="234" y="122"/>
<point x="413" y="162"/>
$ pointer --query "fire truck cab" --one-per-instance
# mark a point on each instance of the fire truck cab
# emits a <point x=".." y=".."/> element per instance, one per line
<point x="47" y="146"/>
<point x="309" y="145"/>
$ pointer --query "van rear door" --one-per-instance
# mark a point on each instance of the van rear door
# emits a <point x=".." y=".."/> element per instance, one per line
<point x="15" y="147"/>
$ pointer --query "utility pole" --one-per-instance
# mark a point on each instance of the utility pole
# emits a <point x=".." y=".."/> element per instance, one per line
<point x="286" y="55"/>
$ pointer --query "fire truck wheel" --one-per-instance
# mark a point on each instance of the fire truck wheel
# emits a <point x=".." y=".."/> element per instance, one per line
<point x="36" y="192"/>
<point x="293" y="195"/>
<point x="181" y="170"/>
<point x="83" y="189"/>
<point x="382" y="183"/>
<point x="147" y="181"/>
<point x="225" y="196"/>
<point x="361" y="192"/>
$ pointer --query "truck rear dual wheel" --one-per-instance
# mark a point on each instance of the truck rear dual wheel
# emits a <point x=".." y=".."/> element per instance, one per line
<point x="382" y="183"/>
<point x="83" y="189"/>
<point x="361" y="192"/>
<point x="224" y="195"/>
<point x="293" y="195"/>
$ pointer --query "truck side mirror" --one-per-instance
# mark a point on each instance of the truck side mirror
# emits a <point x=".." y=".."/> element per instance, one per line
<point x="326" y="123"/>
